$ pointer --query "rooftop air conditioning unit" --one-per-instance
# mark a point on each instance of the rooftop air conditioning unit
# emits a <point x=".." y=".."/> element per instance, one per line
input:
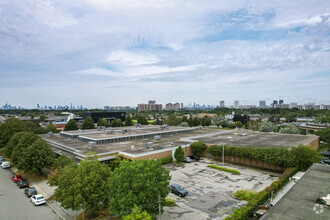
<point x="110" y="131"/>
<point x="157" y="137"/>
<point x="100" y="128"/>
<point x="50" y="134"/>
<point x="149" y="145"/>
<point x="91" y="144"/>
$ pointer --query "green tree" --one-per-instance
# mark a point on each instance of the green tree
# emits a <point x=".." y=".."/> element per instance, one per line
<point x="51" y="128"/>
<point x="117" y="123"/>
<point x="305" y="156"/>
<point x="184" y="124"/>
<point x="137" y="214"/>
<point x="9" y="128"/>
<point x="172" y="120"/>
<point x="13" y="142"/>
<point x="140" y="182"/>
<point x="324" y="135"/>
<point x="198" y="148"/>
<point x="128" y="121"/>
<point x="71" y="125"/>
<point x="103" y="122"/>
<point x="17" y="155"/>
<point x="141" y="119"/>
<point x="84" y="186"/>
<point x="63" y="161"/>
<point x="206" y="121"/>
<point x="220" y="121"/>
<point x="290" y="129"/>
<point x="88" y="123"/>
<point x="37" y="156"/>
<point x="266" y="127"/>
<point x="197" y="121"/>
<point x="291" y="117"/>
<point x="179" y="154"/>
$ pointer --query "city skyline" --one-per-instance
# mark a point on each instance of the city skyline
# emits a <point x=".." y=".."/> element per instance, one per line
<point x="122" y="53"/>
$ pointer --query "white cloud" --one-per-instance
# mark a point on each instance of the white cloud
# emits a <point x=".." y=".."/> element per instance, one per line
<point x="127" y="58"/>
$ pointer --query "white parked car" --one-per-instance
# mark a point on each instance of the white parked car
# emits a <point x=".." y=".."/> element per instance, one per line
<point x="5" y="164"/>
<point x="38" y="199"/>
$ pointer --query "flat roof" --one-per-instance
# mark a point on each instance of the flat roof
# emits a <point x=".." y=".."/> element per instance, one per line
<point x="299" y="202"/>
<point x="259" y="139"/>
<point x="171" y="140"/>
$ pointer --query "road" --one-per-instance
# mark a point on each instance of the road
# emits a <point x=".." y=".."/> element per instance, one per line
<point x="15" y="205"/>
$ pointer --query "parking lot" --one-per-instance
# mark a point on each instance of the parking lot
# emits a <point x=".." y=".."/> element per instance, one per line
<point x="15" y="205"/>
<point x="210" y="190"/>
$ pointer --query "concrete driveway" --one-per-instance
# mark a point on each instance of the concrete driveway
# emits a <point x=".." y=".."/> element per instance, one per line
<point x="210" y="190"/>
<point x="15" y="205"/>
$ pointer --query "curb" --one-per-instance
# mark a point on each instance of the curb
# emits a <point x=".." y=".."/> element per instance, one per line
<point x="55" y="211"/>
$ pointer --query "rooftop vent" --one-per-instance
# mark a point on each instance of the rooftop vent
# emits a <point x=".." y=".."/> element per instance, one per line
<point x="91" y="144"/>
<point x="109" y="132"/>
<point x="50" y="134"/>
<point x="149" y="145"/>
<point x="138" y="125"/>
<point x="132" y="147"/>
<point x="164" y="127"/>
<point x="157" y="137"/>
<point x="101" y="128"/>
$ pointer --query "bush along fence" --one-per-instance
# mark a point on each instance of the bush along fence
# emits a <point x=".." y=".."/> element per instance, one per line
<point x="233" y="171"/>
<point x="273" y="158"/>
<point x="165" y="160"/>
<point x="246" y="212"/>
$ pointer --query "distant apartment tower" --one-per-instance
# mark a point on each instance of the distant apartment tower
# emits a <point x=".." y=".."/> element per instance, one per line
<point x="222" y="104"/>
<point x="275" y="102"/>
<point x="170" y="106"/>
<point x="293" y="105"/>
<point x="151" y="106"/>
<point x="181" y="105"/>
<point x="262" y="104"/>
<point x="236" y="104"/>
<point x="281" y="101"/>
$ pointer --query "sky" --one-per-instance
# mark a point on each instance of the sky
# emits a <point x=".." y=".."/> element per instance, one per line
<point x="125" y="52"/>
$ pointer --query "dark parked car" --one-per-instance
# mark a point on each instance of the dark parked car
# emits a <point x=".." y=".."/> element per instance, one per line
<point x="22" y="183"/>
<point x="30" y="191"/>
<point x="187" y="160"/>
<point x="325" y="161"/>
<point x="1" y="160"/>
<point x="194" y="157"/>
<point x="179" y="190"/>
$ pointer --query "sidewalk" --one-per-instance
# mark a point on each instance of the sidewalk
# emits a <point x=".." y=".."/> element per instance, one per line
<point x="43" y="188"/>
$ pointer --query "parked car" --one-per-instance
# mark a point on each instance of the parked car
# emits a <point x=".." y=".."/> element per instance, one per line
<point x="38" y="199"/>
<point x="179" y="190"/>
<point x="187" y="160"/>
<point x="194" y="157"/>
<point x="2" y="160"/>
<point x="325" y="161"/>
<point x="5" y="164"/>
<point x="16" y="178"/>
<point x="30" y="191"/>
<point x="22" y="183"/>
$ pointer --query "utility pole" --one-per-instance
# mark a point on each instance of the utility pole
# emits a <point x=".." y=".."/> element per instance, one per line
<point x="160" y="208"/>
<point x="223" y="154"/>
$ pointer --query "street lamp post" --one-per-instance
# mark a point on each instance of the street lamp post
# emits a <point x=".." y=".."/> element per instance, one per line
<point x="223" y="154"/>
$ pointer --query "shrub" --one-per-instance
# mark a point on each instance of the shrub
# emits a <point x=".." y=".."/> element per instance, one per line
<point x="165" y="160"/>
<point x="246" y="212"/>
<point x="198" y="148"/>
<point x="245" y="194"/>
<point x="233" y="171"/>
<point x="169" y="202"/>
<point x="267" y="127"/>
<point x="179" y="154"/>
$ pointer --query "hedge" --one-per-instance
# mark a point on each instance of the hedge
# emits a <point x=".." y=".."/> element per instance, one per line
<point x="165" y="160"/>
<point x="246" y="212"/>
<point x="274" y="155"/>
<point x="233" y="171"/>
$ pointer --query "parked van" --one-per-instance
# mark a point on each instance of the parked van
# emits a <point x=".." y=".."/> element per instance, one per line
<point x="5" y="164"/>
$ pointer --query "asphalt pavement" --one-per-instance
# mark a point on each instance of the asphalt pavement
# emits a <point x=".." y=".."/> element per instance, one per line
<point x="15" y="205"/>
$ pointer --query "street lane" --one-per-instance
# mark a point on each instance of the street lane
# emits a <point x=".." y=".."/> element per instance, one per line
<point x="15" y="205"/>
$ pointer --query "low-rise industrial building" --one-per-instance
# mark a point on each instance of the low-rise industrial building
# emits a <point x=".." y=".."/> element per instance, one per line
<point x="156" y="142"/>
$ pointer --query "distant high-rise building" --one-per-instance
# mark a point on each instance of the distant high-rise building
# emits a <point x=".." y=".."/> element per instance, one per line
<point x="262" y="104"/>
<point x="236" y="104"/>
<point x="222" y="104"/>
<point x="275" y="102"/>
<point x="150" y="107"/>
<point x="293" y="105"/>
<point x="170" y="106"/>
<point x="281" y="101"/>
<point x="181" y="105"/>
